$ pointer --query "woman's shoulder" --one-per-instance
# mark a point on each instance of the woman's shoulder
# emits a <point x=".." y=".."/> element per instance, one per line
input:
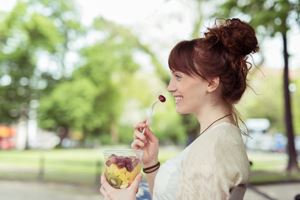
<point x="224" y="128"/>
<point x="223" y="136"/>
<point x="218" y="133"/>
<point x="222" y="146"/>
<point x="218" y="154"/>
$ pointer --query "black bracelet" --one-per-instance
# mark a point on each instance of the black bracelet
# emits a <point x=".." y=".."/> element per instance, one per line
<point x="151" y="169"/>
<point x="153" y="166"/>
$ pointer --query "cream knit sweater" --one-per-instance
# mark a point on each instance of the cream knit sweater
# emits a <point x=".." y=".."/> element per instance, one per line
<point x="216" y="167"/>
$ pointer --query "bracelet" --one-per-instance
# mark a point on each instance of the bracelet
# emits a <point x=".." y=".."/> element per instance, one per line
<point x="151" y="169"/>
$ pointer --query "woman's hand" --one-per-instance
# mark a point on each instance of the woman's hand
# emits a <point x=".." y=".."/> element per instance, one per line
<point x="110" y="193"/>
<point x="147" y="142"/>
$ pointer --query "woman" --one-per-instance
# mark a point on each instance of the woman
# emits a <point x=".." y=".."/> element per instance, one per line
<point x="208" y="78"/>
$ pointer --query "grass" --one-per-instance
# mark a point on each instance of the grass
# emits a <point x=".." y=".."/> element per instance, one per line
<point x="266" y="177"/>
<point x="83" y="166"/>
<point x="77" y="166"/>
<point x="270" y="168"/>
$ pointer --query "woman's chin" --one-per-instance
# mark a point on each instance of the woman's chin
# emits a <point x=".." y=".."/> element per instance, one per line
<point x="181" y="111"/>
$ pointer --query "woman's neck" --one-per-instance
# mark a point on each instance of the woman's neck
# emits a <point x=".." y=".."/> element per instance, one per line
<point x="210" y="113"/>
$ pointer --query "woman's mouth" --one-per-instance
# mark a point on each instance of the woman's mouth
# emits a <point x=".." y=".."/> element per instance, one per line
<point x="178" y="99"/>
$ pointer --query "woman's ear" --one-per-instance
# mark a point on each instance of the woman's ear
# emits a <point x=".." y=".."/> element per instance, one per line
<point x="213" y="84"/>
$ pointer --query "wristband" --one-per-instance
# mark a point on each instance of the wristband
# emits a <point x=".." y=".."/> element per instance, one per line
<point x="152" y="168"/>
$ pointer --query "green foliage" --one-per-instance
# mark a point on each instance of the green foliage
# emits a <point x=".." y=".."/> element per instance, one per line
<point x="296" y="106"/>
<point x="26" y="33"/>
<point x="40" y="33"/>
<point x="110" y="68"/>
<point x="69" y="102"/>
<point x="92" y="99"/>
<point x="268" y="17"/>
<point x="168" y="128"/>
<point x="264" y="100"/>
<point x="94" y="102"/>
<point x="117" y="31"/>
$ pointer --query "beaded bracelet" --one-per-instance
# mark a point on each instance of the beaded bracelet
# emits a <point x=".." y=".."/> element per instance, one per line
<point x="151" y="169"/>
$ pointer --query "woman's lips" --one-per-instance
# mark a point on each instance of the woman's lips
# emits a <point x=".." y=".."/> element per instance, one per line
<point x="178" y="99"/>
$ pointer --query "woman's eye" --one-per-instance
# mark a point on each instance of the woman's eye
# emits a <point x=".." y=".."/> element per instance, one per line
<point x="178" y="77"/>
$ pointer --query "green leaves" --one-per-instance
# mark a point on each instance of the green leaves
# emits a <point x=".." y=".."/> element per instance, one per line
<point x="36" y="39"/>
<point x="25" y="33"/>
<point x="94" y="99"/>
<point x="68" y="103"/>
<point x="271" y="16"/>
<point x="43" y="33"/>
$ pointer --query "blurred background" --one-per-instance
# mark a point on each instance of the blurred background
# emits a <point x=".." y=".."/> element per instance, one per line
<point x="75" y="76"/>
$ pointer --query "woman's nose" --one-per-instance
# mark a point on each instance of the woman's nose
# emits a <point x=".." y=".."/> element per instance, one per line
<point x="171" y="88"/>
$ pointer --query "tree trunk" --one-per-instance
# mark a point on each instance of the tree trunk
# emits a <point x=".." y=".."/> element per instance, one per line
<point x="27" y="145"/>
<point x="63" y="132"/>
<point x="25" y="117"/>
<point x="291" y="150"/>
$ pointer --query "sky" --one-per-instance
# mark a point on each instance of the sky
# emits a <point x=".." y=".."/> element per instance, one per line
<point x="162" y="23"/>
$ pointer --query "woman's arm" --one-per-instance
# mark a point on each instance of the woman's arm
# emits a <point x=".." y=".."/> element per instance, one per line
<point x="151" y="177"/>
<point x="149" y="143"/>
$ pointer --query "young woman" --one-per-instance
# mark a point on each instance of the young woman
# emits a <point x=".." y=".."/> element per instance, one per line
<point x="208" y="78"/>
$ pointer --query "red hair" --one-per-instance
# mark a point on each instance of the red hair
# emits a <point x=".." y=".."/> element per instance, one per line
<point x="222" y="52"/>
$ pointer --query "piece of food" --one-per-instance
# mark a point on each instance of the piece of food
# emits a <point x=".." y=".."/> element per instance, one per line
<point x="161" y="98"/>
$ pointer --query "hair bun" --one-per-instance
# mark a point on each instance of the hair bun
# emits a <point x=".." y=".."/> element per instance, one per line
<point x="236" y="36"/>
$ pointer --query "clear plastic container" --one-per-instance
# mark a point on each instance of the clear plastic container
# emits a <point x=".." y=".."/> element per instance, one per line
<point x="121" y="166"/>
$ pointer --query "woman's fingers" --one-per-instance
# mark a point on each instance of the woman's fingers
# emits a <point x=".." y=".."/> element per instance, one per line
<point x="139" y="140"/>
<point x="135" y="183"/>
<point x="102" y="189"/>
<point x="103" y="179"/>
<point x="105" y="185"/>
<point x="137" y="144"/>
<point x="150" y="136"/>
<point x="140" y="136"/>
<point x="140" y="126"/>
<point x="103" y="192"/>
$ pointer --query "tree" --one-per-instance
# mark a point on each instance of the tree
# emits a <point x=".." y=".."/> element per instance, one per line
<point x="33" y="29"/>
<point x="133" y="41"/>
<point x="61" y="112"/>
<point x="93" y="108"/>
<point x="271" y="17"/>
<point x="23" y="36"/>
<point x="65" y="17"/>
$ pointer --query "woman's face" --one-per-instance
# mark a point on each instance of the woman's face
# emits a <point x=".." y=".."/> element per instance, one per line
<point x="189" y="92"/>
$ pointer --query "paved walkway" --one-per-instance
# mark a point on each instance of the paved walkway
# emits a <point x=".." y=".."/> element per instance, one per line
<point x="285" y="191"/>
<point x="16" y="190"/>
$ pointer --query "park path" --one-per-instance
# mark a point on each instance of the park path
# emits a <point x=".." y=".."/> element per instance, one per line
<point x="16" y="190"/>
<point x="283" y="191"/>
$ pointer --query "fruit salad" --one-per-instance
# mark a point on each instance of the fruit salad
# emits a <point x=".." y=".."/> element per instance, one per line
<point x="121" y="170"/>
